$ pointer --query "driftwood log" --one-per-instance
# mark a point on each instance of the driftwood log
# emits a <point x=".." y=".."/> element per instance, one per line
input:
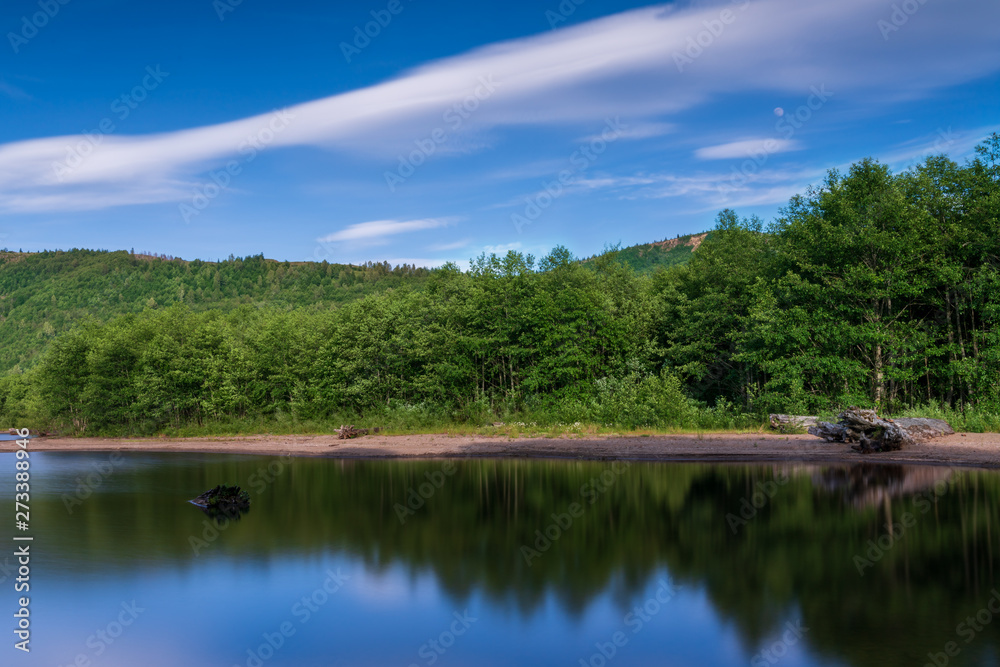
<point x="924" y="429"/>
<point x="782" y="422"/>
<point x="872" y="433"/>
<point x="351" y="431"/>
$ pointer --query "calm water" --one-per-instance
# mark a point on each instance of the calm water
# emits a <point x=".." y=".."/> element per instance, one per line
<point x="504" y="563"/>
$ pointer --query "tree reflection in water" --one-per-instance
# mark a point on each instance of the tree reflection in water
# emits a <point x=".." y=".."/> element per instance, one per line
<point x="796" y="558"/>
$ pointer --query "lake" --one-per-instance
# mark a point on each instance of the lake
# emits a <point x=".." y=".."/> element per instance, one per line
<point x="499" y="562"/>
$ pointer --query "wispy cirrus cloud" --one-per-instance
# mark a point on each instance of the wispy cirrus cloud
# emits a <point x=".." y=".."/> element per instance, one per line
<point x="582" y="74"/>
<point x="455" y="245"/>
<point x="501" y="249"/>
<point x="639" y="131"/>
<point x="714" y="189"/>
<point x="379" y="230"/>
<point x="747" y="148"/>
<point x="945" y="141"/>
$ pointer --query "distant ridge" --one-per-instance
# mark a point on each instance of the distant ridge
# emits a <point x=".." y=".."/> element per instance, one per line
<point x="647" y="257"/>
<point x="45" y="293"/>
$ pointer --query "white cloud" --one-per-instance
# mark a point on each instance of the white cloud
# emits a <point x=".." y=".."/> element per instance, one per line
<point x="456" y="245"/>
<point x="618" y="65"/>
<point x="502" y="249"/>
<point x="716" y="189"/>
<point x="747" y="148"/>
<point x="955" y="143"/>
<point x="639" y="131"/>
<point x="380" y="229"/>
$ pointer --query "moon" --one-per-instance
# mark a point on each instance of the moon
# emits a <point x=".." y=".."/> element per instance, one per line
<point x="779" y="112"/>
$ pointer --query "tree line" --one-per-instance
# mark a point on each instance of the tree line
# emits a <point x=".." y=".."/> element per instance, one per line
<point x="47" y="293"/>
<point x="875" y="288"/>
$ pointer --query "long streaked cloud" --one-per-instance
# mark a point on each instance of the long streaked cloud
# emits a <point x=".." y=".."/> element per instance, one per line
<point x="775" y="185"/>
<point x="377" y="230"/>
<point x="622" y="64"/>
<point x="501" y="249"/>
<point x="747" y="147"/>
<point x="453" y="245"/>
<point x="639" y="131"/>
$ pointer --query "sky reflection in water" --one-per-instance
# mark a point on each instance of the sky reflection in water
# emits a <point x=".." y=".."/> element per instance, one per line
<point x="662" y="556"/>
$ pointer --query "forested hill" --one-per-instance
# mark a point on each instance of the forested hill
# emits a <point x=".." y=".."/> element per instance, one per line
<point x="647" y="257"/>
<point x="43" y="294"/>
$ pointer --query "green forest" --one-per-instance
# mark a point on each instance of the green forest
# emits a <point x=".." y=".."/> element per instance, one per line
<point x="46" y="293"/>
<point x="874" y="288"/>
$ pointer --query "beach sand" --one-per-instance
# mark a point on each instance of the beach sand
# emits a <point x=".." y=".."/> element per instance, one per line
<point x="965" y="449"/>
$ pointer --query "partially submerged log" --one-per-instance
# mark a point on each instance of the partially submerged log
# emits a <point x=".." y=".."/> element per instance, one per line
<point x="875" y="434"/>
<point x="230" y="501"/>
<point x="351" y="431"/>
<point x="783" y="422"/>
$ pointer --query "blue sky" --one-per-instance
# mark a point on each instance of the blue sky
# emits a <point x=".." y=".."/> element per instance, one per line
<point x="200" y="128"/>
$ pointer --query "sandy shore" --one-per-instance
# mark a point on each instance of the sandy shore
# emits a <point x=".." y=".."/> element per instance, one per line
<point x="971" y="449"/>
